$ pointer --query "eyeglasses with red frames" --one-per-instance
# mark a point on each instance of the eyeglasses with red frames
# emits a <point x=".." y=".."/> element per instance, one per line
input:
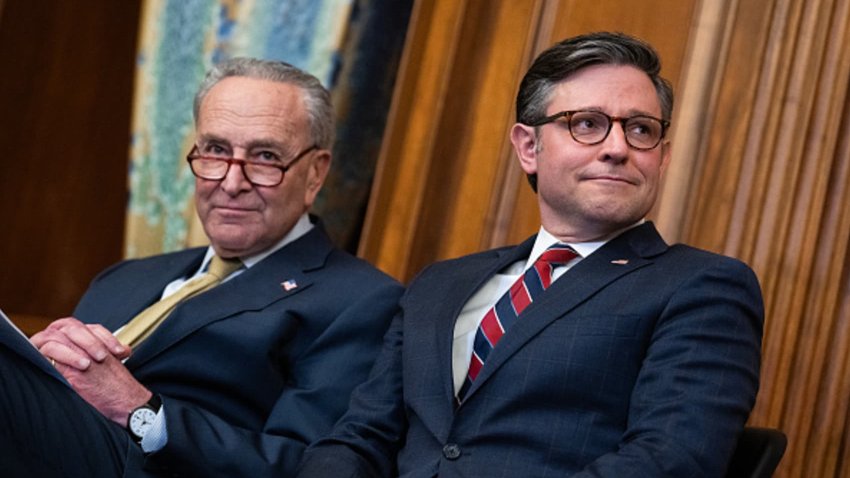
<point x="258" y="173"/>
<point x="642" y="132"/>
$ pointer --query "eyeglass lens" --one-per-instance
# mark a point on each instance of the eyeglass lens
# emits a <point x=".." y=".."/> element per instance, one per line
<point x="592" y="127"/>
<point x="215" y="169"/>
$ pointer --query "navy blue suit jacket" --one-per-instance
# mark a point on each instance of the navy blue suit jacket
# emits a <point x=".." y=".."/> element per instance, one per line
<point x="250" y="372"/>
<point x="640" y="361"/>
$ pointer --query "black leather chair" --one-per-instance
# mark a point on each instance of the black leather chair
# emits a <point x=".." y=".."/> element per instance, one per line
<point x="758" y="453"/>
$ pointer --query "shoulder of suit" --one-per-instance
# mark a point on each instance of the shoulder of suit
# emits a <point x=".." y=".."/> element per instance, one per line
<point x="695" y="255"/>
<point x="473" y="259"/>
<point x="157" y="261"/>
<point x="356" y="269"/>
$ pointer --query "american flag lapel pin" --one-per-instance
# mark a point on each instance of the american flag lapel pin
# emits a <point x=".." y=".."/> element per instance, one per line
<point x="620" y="262"/>
<point x="288" y="285"/>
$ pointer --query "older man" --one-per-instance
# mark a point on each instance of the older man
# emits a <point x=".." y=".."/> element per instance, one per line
<point x="226" y="360"/>
<point x="593" y="348"/>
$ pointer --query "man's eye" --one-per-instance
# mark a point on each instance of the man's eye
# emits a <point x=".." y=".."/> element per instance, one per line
<point x="585" y="124"/>
<point x="215" y="150"/>
<point x="266" y="156"/>
<point x="640" y="128"/>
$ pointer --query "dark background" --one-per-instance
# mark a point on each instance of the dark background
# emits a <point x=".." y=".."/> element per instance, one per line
<point x="65" y="95"/>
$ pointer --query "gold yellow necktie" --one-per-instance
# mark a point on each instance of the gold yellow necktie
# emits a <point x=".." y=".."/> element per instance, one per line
<point x="142" y="325"/>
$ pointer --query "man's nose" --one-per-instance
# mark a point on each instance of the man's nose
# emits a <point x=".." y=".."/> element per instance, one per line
<point x="616" y="146"/>
<point x="235" y="180"/>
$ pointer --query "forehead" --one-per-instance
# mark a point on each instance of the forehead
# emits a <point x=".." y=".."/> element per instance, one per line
<point x="244" y="109"/>
<point x="613" y="89"/>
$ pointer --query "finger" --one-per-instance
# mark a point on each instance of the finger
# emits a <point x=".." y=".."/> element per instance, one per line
<point x="40" y="338"/>
<point x="60" y="354"/>
<point x="78" y="334"/>
<point x="118" y="349"/>
<point x="54" y="336"/>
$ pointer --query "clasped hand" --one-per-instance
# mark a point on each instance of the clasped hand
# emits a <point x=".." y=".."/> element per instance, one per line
<point x="90" y="358"/>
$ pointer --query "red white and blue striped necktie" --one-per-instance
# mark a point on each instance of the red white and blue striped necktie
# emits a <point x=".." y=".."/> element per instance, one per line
<point x="501" y="316"/>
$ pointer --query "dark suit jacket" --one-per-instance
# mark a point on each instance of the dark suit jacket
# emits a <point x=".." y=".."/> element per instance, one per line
<point x="250" y="373"/>
<point x="642" y="360"/>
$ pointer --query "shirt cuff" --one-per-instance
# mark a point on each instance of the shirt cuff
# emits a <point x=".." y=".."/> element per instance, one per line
<point x="156" y="438"/>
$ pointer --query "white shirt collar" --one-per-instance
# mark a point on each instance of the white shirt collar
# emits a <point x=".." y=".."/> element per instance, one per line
<point x="545" y="239"/>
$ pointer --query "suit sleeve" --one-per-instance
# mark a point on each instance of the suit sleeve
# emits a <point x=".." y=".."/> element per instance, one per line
<point x="366" y="440"/>
<point x="698" y="381"/>
<point x="202" y="444"/>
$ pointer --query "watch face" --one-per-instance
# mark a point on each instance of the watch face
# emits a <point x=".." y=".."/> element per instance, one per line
<point x="141" y="421"/>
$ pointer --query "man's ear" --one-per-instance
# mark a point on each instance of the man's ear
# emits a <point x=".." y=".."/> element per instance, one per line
<point x="316" y="175"/>
<point x="524" y="139"/>
<point x="665" y="155"/>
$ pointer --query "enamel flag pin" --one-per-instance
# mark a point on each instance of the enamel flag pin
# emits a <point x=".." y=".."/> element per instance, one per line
<point x="288" y="285"/>
<point x="620" y="262"/>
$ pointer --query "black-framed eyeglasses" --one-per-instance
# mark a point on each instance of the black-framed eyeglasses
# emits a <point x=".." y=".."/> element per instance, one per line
<point x="642" y="132"/>
<point x="258" y="173"/>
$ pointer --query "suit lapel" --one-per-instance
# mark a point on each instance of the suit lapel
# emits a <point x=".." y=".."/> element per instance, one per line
<point x="622" y="255"/>
<point x="154" y="277"/>
<point x="280" y="275"/>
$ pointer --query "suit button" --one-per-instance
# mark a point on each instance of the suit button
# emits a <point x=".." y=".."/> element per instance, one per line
<point x="451" y="451"/>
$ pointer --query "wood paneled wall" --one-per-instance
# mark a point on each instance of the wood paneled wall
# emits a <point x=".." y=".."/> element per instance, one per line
<point x="769" y="184"/>
<point x="65" y="96"/>
<point x="760" y="169"/>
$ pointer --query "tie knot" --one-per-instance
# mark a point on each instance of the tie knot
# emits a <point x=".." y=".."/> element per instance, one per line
<point x="221" y="268"/>
<point x="558" y="254"/>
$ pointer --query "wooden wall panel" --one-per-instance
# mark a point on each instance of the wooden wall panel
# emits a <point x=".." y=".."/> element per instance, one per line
<point x="65" y="96"/>
<point x="445" y="144"/>
<point x="770" y="187"/>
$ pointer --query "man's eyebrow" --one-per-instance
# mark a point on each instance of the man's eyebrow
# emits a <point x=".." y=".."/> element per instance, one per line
<point x="629" y="113"/>
<point x="641" y="112"/>
<point x="253" y="144"/>
<point x="267" y="143"/>
<point x="211" y="138"/>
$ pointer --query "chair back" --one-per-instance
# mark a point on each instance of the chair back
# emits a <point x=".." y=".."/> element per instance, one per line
<point x="758" y="453"/>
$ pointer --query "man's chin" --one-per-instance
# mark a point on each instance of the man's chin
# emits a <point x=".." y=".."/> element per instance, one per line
<point x="232" y="243"/>
<point x="616" y="215"/>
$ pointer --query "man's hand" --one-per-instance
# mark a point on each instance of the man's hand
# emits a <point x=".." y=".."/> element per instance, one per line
<point x="109" y="387"/>
<point x="74" y="344"/>
<point x="89" y="357"/>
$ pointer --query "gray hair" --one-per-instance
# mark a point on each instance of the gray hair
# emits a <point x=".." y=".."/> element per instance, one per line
<point x="571" y="55"/>
<point x="317" y="99"/>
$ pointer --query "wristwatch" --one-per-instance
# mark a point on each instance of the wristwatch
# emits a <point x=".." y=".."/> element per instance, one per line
<point x="141" y="419"/>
